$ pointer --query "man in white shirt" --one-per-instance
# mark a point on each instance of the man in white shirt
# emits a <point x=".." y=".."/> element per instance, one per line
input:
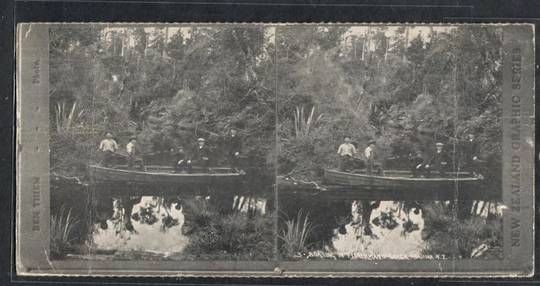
<point x="370" y="150"/>
<point x="108" y="146"/>
<point x="371" y="157"/>
<point x="131" y="150"/>
<point x="346" y="153"/>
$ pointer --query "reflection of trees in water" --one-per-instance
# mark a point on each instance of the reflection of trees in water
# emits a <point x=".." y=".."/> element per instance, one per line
<point x="147" y="213"/>
<point x="387" y="219"/>
<point x="408" y="225"/>
<point x="196" y="222"/>
<point x="137" y="226"/>
<point x="436" y="225"/>
<point x="197" y="209"/>
<point x="374" y="230"/>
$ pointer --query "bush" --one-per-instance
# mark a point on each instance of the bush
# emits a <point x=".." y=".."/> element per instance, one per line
<point x="198" y="215"/>
<point x="449" y="237"/>
<point x="235" y="236"/>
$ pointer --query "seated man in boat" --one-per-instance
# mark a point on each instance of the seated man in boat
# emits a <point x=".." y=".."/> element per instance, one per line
<point x="346" y="152"/>
<point x="371" y="159"/>
<point x="180" y="162"/>
<point x="439" y="161"/>
<point x="201" y="155"/>
<point x="108" y="146"/>
<point x="418" y="167"/>
<point x="234" y="147"/>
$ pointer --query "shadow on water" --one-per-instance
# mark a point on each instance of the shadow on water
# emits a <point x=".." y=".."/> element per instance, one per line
<point x="166" y="222"/>
<point x="359" y="223"/>
<point x="344" y="227"/>
<point x="236" y="222"/>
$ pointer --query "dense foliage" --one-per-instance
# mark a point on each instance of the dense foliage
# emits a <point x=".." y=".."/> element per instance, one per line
<point x="237" y="236"/>
<point x="404" y="92"/>
<point x="169" y="87"/>
<point x="307" y="86"/>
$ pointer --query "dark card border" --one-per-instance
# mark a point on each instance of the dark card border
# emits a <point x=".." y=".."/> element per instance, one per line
<point x="477" y="11"/>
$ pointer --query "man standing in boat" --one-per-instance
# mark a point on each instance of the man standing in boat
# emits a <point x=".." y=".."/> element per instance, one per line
<point x="234" y="147"/>
<point x="439" y="161"/>
<point x="131" y="149"/>
<point x="371" y="159"/>
<point x="346" y="153"/>
<point x="471" y="150"/>
<point x="108" y="146"/>
<point x="201" y="156"/>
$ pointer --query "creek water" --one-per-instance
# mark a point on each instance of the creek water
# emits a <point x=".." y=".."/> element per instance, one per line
<point x="396" y="232"/>
<point x="395" y="229"/>
<point x="388" y="230"/>
<point x="389" y="238"/>
<point x="159" y="236"/>
<point x="158" y="227"/>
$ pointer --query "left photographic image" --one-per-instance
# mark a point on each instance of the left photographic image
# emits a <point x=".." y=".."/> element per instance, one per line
<point x="162" y="142"/>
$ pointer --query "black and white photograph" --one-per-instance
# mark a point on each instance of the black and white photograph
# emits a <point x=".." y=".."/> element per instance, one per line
<point x="393" y="134"/>
<point x="275" y="149"/>
<point x="162" y="142"/>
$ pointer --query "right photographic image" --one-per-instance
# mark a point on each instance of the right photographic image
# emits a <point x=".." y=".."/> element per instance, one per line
<point x="390" y="142"/>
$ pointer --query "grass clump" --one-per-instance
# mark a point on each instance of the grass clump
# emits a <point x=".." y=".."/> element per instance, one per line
<point x="62" y="229"/>
<point x="296" y="234"/>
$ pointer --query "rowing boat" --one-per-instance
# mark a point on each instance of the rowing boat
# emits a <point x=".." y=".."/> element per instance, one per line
<point x="402" y="181"/>
<point x="163" y="175"/>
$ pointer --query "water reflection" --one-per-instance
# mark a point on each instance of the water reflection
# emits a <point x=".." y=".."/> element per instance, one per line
<point x="156" y="228"/>
<point x="249" y="204"/>
<point x="363" y="229"/>
<point x="156" y="224"/>
<point x="395" y="232"/>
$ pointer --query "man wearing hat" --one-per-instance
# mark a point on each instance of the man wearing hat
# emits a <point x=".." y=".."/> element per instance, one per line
<point x="439" y="161"/>
<point x="201" y="156"/>
<point x="371" y="158"/>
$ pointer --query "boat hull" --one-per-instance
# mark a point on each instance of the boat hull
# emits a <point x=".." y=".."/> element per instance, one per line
<point x="398" y="181"/>
<point x="162" y="175"/>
